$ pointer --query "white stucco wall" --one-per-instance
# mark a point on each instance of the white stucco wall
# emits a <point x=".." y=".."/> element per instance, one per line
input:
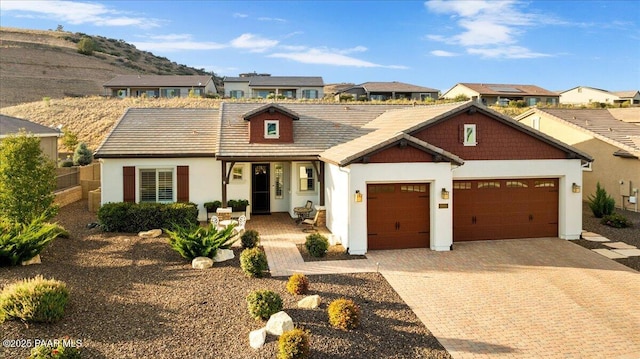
<point x="338" y="201"/>
<point x="204" y="178"/>
<point x="300" y="198"/>
<point x="241" y="189"/>
<point x="585" y="95"/>
<point x="438" y="175"/>
<point x="567" y="171"/>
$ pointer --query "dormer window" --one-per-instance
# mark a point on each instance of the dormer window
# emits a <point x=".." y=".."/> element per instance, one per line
<point x="470" y="138"/>
<point x="271" y="129"/>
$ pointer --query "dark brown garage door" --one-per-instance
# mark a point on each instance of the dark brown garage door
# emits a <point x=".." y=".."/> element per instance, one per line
<point x="501" y="209"/>
<point x="398" y="215"/>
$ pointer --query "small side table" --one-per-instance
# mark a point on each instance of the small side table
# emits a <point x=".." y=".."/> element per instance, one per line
<point x="302" y="213"/>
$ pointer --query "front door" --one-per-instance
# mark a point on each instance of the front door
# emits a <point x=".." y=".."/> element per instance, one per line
<point x="260" y="185"/>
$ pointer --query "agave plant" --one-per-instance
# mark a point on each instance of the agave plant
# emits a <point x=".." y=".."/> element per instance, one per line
<point x="196" y="241"/>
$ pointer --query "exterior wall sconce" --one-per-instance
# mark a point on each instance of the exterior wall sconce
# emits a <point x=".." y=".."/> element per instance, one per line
<point x="358" y="196"/>
<point x="444" y="193"/>
<point x="575" y="188"/>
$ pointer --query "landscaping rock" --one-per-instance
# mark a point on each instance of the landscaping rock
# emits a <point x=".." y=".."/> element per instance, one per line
<point x="201" y="263"/>
<point x="257" y="338"/>
<point x="150" y="234"/>
<point x="279" y="323"/>
<point x="223" y="255"/>
<point x="310" y="302"/>
<point x="34" y="260"/>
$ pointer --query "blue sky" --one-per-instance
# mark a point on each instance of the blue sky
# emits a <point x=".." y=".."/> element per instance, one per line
<point x="553" y="44"/>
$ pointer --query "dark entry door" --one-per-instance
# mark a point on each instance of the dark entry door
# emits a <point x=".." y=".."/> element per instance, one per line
<point x="260" y="184"/>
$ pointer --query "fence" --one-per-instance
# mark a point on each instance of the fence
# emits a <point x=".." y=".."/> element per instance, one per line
<point x="67" y="177"/>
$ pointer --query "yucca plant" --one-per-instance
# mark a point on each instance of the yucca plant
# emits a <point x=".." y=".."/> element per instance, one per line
<point x="195" y="241"/>
<point x="20" y="242"/>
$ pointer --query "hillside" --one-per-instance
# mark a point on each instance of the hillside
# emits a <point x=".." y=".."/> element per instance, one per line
<point x="36" y="64"/>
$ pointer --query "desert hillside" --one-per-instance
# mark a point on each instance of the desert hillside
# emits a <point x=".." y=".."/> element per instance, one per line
<point x="37" y="64"/>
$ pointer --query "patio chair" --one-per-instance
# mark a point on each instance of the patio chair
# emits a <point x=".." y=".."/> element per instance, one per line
<point x="242" y="220"/>
<point x="311" y="223"/>
<point x="215" y="221"/>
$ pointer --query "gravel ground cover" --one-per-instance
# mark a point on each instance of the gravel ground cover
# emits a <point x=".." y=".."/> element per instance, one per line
<point x="137" y="298"/>
<point x="334" y="253"/>
<point x="629" y="235"/>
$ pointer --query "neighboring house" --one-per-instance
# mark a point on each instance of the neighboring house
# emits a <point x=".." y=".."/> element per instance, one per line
<point x="267" y="86"/>
<point x="613" y="144"/>
<point x="168" y="86"/>
<point x="582" y="95"/>
<point x="382" y="91"/>
<point x="386" y="176"/>
<point x="502" y="94"/>
<point x="48" y="136"/>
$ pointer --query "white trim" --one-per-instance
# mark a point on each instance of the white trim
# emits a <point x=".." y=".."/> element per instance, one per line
<point x="470" y="134"/>
<point x="266" y="129"/>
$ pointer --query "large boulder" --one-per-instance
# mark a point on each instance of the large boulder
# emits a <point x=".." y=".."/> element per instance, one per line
<point x="279" y="323"/>
<point x="150" y="234"/>
<point x="310" y="302"/>
<point x="201" y="263"/>
<point x="257" y="338"/>
<point x="223" y="255"/>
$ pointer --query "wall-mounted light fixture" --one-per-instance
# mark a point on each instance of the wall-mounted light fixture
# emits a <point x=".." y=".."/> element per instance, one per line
<point x="444" y="193"/>
<point x="575" y="188"/>
<point x="358" y="196"/>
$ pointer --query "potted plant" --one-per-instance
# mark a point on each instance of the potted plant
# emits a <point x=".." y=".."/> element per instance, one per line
<point x="238" y="205"/>
<point x="212" y="206"/>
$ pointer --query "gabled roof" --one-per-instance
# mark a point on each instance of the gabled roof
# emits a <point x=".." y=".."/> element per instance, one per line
<point x="626" y="94"/>
<point x="586" y="87"/>
<point x="270" y="107"/>
<point x="598" y="123"/>
<point x="394" y="87"/>
<point x="630" y="114"/>
<point x="279" y="81"/>
<point x="507" y="89"/>
<point x="158" y="81"/>
<point x="12" y="125"/>
<point x="162" y="132"/>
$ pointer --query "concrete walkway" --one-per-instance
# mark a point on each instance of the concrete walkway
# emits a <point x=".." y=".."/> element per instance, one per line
<point x="530" y="298"/>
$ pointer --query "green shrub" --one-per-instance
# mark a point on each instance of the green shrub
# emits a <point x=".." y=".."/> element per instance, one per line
<point x="293" y="344"/>
<point x="601" y="203"/>
<point x="196" y="241"/>
<point x="616" y="220"/>
<point x="20" y="242"/>
<point x="34" y="300"/>
<point x="238" y="204"/>
<point x="344" y="314"/>
<point x="135" y="217"/>
<point x="63" y="348"/>
<point x="250" y="239"/>
<point x="253" y="262"/>
<point x="212" y="206"/>
<point x="82" y="156"/>
<point x="263" y="303"/>
<point x="298" y="284"/>
<point x="317" y="244"/>
<point x="86" y="46"/>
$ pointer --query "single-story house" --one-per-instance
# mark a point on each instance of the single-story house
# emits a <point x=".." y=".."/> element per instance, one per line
<point x="582" y="95"/>
<point x="48" y="136"/>
<point x="254" y="85"/>
<point x="502" y="94"/>
<point x="385" y="176"/>
<point x="613" y="144"/>
<point x="168" y="86"/>
<point x="382" y="91"/>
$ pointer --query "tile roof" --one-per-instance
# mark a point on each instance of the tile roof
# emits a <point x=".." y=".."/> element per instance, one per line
<point x="508" y="89"/>
<point x="630" y="114"/>
<point x="162" y="132"/>
<point x="394" y="87"/>
<point x="158" y="80"/>
<point x="281" y="81"/>
<point x="625" y="94"/>
<point x="601" y="124"/>
<point x="12" y="125"/>
<point x="320" y="126"/>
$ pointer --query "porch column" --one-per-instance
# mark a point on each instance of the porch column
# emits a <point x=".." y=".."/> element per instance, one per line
<point x="224" y="183"/>
<point x="321" y="175"/>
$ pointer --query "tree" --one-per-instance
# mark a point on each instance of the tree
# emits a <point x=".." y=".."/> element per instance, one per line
<point x="27" y="179"/>
<point x="86" y="46"/>
<point x="69" y="140"/>
<point x="82" y="155"/>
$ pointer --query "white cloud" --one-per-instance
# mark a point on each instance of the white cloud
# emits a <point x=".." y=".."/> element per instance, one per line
<point x="240" y="15"/>
<point x="489" y="28"/>
<point x="171" y="37"/>
<point x="169" y="46"/>
<point x="253" y="43"/>
<point x="323" y="56"/>
<point x="442" y="53"/>
<point x="76" y="13"/>
<point x="276" y="19"/>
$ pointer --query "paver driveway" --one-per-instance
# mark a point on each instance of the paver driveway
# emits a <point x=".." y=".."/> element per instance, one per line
<point x="532" y="298"/>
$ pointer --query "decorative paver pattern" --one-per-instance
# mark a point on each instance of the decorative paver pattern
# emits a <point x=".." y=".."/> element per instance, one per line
<point x="529" y="298"/>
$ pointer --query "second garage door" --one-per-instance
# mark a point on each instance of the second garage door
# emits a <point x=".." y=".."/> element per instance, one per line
<point x="505" y="208"/>
<point x="398" y="215"/>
